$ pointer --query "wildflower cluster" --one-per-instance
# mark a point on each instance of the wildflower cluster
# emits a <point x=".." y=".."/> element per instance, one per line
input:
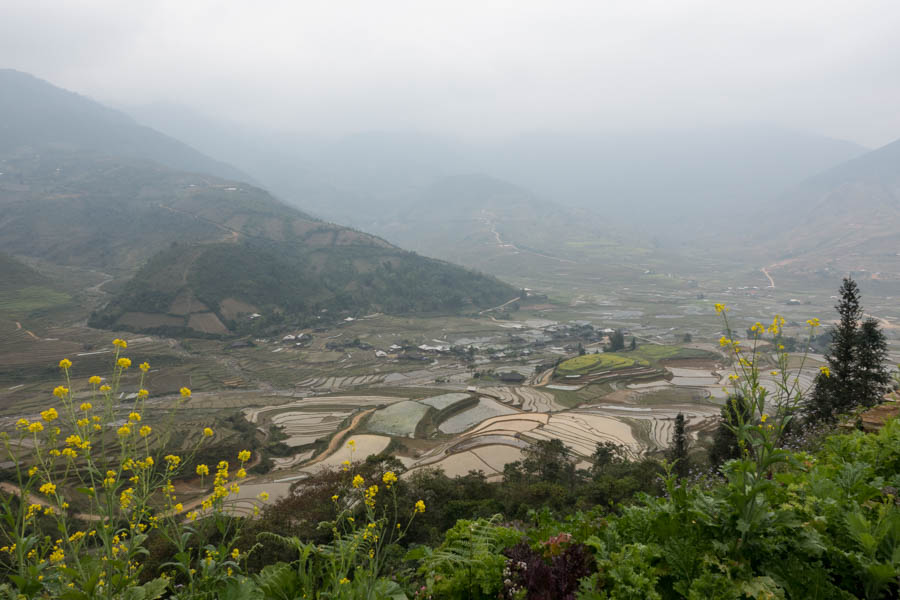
<point x="126" y="489"/>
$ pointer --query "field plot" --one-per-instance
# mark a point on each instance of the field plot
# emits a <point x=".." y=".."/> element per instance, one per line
<point x="334" y="384"/>
<point x="594" y="362"/>
<point x="490" y="459"/>
<point x="527" y="398"/>
<point x="485" y="409"/>
<point x="366" y="445"/>
<point x="581" y="431"/>
<point x="445" y="400"/>
<point x="398" y="419"/>
<point x="305" y="427"/>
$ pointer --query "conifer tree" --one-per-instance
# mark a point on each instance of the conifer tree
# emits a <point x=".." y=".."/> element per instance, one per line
<point x="873" y="379"/>
<point x="725" y="445"/>
<point x="835" y="389"/>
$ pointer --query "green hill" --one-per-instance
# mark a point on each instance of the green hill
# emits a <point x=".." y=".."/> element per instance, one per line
<point x="197" y="251"/>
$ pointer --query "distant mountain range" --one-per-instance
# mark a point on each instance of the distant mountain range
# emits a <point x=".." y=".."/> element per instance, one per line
<point x="845" y="219"/>
<point x="664" y="183"/>
<point x="83" y="185"/>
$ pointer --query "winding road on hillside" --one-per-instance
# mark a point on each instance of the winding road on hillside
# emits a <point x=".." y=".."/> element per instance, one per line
<point x="769" y="277"/>
<point x="493" y="227"/>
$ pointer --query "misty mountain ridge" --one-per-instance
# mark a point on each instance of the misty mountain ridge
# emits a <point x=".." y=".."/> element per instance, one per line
<point x="844" y="219"/>
<point x="40" y="116"/>
<point x="650" y="179"/>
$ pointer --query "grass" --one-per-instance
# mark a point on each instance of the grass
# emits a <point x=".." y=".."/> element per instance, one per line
<point x="27" y="299"/>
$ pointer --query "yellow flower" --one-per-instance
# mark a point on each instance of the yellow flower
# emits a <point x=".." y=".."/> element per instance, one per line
<point x="758" y="327"/>
<point x="124" y="363"/>
<point x="142" y="393"/>
<point x="57" y="555"/>
<point x="105" y="388"/>
<point x="773" y="372"/>
<point x="120" y="343"/>
<point x="47" y="489"/>
<point x="825" y="371"/>
<point x="60" y="391"/>
<point x="352" y="444"/>
<point x="420" y="506"/>
<point x="720" y="308"/>
<point x="208" y="432"/>
<point x="814" y="322"/>
<point x="192" y="515"/>
<point x="50" y="414"/>
<point x="145" y="366"/>
<point x="123" y="431"/>
<point x="185" y="392"/>
<point x="65" y="363"/>
<point x="22" y="424"/>
<point x="94" y="380"/>
<point x="241" y="473"/>
<point x="36" y="427"/>
<point x="764" y="417"/>
<point x="344" y="580"/>
<point x="178" y="507"/>
<point x="145" y="430"/>
<point x="733" y="377"/>
<point x="264" y="496"/>
<point x="334" y="498"/>
<point x="202" y="470"/>
<point x="235" y="554"/>
<point x="32" y="471"/>
<point x="86" y="406"/>
<point x="244" y="455"/>
<point x="346" y="465"/>
<point x="389" y="479"/>
<point x="134" y="417"/>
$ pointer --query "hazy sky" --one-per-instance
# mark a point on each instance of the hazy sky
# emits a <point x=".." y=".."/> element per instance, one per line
<point x="477" y="68"/>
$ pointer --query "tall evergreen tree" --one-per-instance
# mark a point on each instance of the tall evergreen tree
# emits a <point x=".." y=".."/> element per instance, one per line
<point x="835" y="391"/>
<point x="678" y="451"/>
<point x="873" y="379"/>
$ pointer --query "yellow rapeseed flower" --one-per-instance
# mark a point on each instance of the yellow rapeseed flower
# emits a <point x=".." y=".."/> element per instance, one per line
<point x="389" y="479"/>
<point x="244" y="455"/>
<point x="358" y="481"/>
<point x="134" y="417"/>
<point x="124" y="363"/>
<point x="814" y="322"/>
<point x="49" y="415"/>
<point x="720" y="308"/>
<point x="60" y="391"/>
<point x="120" y="343"/>
<point x="142" y="393"/>
<point x="420" y="506"/>
<point x="352" y="444"/>
<point x="36" y="427"/>
<point x="825" y="371"/>
<point x="185" y="392"/>
<point x="202" y="470"/>
<point x="235" y="554"/>
<point x="145" y="366"/>
<point x="94" y="380"/>
<point x="47" y="489"/>
<point x="178" y="507"/>
<point x="86" y="406"/>
<point x="65" y="363"/>
<point x="123" y="431"/>
<point x="145" y="430"/>
<point x="264" y="496"/>
<point x="105" y="388"/>
<point x="208" y="432"/>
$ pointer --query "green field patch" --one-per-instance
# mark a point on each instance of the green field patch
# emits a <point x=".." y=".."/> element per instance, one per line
<point x="27" y="299"/>
<point x="595" y="362"/>
<point x="398" y="419"/>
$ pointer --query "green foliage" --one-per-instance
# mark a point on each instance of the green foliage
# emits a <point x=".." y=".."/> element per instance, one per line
<point x="469" y="562"/>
